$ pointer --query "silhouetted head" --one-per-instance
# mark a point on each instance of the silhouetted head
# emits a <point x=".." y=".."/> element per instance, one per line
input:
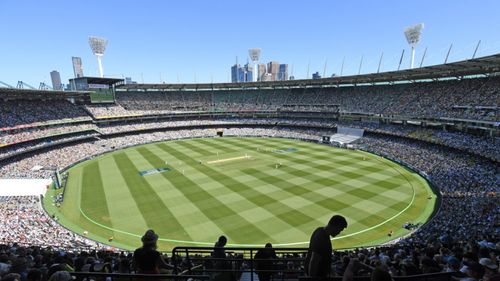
<point x="336" y="224"/>
<point x="149" y="239"/>
<point x="222" y="241"/>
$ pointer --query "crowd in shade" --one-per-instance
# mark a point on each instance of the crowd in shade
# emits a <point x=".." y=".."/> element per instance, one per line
<point x="20" y="112"/>
<point x="466" y="99"/>
<point x="23" y="135"/>
<point x="482" y="145"/>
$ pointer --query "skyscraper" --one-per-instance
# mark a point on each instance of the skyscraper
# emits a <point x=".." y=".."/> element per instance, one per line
<point x="56" y="80"/>
<point x="283" y="72"/>
<point x="237" y="73"/>
<point x="273" y="67"/>
<point x="248" y="72"/>
<point x="261" y="71"/>
<point x="241" y="74"/>
<point x="234" y="73"/>
<point x="77" y="67"/>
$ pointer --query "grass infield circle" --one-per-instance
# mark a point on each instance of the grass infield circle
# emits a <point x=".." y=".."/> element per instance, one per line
<point x="252" y="190"/>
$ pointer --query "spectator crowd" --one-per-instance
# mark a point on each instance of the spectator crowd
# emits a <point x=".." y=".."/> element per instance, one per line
<point x="462" y="238"/>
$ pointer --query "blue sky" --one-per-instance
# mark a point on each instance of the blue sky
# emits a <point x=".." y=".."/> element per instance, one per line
<point x="183" y="40"/>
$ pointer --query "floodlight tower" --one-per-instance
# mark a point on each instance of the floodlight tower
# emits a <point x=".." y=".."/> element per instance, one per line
<point x="412" y="34"/>
<point x="254" y="54"/>
<point x="98" y="46"/>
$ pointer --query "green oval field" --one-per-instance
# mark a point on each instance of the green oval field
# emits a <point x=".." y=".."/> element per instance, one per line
<point x="252" y="190"/>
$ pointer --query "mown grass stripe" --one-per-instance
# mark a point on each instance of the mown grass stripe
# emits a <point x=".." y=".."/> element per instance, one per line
<point x="146" y="198"/>
<point x="198" y="149"/>
<point x="338" y="173"/>
<point x="214" y="142"/>
<point x="214" y="209"/>
<point x="362" y="192"/>
<point x="93" y="200"/>
<point x="289" y="215"/>
<point x="121" y="205"/>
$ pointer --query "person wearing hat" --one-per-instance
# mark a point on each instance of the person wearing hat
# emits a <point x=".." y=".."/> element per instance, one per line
<point x="147" y="260"/>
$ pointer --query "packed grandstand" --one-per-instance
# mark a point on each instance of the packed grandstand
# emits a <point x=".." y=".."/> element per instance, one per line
<point x="448" y="129"/>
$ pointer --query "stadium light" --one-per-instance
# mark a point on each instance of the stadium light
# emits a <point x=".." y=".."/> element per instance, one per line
<point x="254" y="54"/>
<point x="98" y="46"/>
<point x="412" y="34"/>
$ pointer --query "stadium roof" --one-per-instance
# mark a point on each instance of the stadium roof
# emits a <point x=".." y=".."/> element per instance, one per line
<point x="481" y="66"/>
<point x="99" y="80"/>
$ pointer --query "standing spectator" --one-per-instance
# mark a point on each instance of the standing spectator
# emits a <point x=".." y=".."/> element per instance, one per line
<point x="264" y="263"/>
<point x="147" y="260"/>
<point x="319" y="257"/>
<point x="219" y="253"/>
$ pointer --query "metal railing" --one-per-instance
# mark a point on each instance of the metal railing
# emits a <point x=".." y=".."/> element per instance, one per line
<point x="135" y="277"/>
<point x="287" y="263"/>
<point x="440" y="276"/>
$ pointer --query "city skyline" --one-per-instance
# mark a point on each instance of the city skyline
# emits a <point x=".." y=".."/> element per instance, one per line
<point x="197" y="41"/>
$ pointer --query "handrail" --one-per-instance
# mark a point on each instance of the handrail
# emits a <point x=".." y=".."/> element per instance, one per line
<point x="135" y="276"/>
<point x="441" y="276"/>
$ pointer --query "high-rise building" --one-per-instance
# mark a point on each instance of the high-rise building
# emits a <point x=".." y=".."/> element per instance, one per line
<point x="273" y="67"/>
<point x="77" y="67"/>
<point x="237" y="73"/>
<point x="261" y="71"/>
<point x="234" y="73"/>
<point x="56" y="80"/>
<point x="241" y="74"/>
<point x="283" y="72"/>
<point x="248" y="72"/>
<point x="316" y="75"/>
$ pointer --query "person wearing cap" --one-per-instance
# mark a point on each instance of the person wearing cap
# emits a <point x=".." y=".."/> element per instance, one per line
<point x="490" y="269"/>
<point x="147" y="260"/>
<point x="319" y="256"/>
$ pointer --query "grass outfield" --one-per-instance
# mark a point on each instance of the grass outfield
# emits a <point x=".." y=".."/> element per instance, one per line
<point x="192" y="191"/>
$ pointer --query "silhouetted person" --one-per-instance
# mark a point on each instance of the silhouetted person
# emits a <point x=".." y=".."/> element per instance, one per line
<point x="319" y="256"/>
<point x="220" y="253"/>
<point x="220" y="262"/>
<point x="264" y="263"/>
<point x="147" y="260"/>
